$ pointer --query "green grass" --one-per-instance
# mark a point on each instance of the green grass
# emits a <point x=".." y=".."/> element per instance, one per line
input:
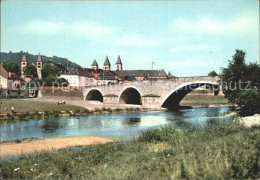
<point x="219" y="152"/>
<point x="32" y="106"/>
<point x="203" y="100"/>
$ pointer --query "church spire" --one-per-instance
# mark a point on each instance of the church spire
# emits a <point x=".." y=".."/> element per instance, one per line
<point x="106" y="65"/>
<point x="39" y="58"/>
<point x="94" y="65"/>
<point x="119" y="64"/>
<point x="24" y="58"/>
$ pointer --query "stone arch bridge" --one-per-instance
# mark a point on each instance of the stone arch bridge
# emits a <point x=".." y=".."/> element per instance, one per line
<point x="156" y="93"/>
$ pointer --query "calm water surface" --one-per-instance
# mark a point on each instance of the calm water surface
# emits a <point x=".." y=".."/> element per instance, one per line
<point x="112" y="125"/>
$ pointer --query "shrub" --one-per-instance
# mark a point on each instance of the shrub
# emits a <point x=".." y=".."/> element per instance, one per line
<point x="55" y="113"/>
<point x="117" y="110"/>
<point x="47" y="113"/>
<point x="109" y="110"/>
<point x="17" y="140"/>
<point x="137" y="109"/>
<point x="98" y="110"/>
<point x="37" y="114"/>
<point x="9" y="116"/>
<point x="104" y="109"/>
<point x="22" y="116"/>
<point x="86" y="111"/>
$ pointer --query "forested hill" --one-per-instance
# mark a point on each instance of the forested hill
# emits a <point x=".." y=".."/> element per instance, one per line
<point x="16" y="57"/>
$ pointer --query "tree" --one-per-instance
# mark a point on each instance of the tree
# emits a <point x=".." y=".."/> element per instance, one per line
<point x="30" y="70"/>
<point x="212" y="73"/>
<point x="49" y="70"/>
<point x="241" y="83"/>
<point x="12" y="67"/>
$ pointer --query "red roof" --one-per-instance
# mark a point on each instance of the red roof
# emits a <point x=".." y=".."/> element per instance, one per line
<point x="12" y="76"/>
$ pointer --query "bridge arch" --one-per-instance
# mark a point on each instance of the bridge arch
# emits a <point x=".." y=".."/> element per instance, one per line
<point x="130" y="95"/>
<point x="172" y="99"/>
<point x="94" y="95"/>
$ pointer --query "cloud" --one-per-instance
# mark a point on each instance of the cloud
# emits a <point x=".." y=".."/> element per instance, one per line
<point x="240" y="25"/>
<point x="137" y="41"/>
<point x="181" y="48"/>
<point x="78" y="28"/>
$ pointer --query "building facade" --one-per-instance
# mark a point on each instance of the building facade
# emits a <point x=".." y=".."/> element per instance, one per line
<point x="94" y="76"/>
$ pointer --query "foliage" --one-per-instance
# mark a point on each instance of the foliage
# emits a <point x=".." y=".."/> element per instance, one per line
<point x="241" y="83"/>
<point x="49" y="70"/>
<point x="12" y="67"/>
<point x="31" y="70"/>
<point x="49" y="81"/>
<point x="212" y="73"/>
<point x="86" y="110"/>
<point x="219" y="152"/>
<point x="47" y="113"/>
<point x="16" y="57"/>
<point x="62" y="82"/>
<point x="9" y="116"/>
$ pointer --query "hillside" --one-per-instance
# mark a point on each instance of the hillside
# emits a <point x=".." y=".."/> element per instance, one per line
<point x="16" y="57"/>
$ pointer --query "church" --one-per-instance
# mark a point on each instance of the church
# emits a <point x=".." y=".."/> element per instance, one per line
<point x="93" y="76"/>
<point x="38" y="66"/>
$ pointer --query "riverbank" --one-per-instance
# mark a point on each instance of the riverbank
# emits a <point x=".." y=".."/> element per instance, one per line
<point x="29" y="146"/>
<point x="48" y="108"/>
<point x="198" y="101"/>
<point x="219" y="152"/>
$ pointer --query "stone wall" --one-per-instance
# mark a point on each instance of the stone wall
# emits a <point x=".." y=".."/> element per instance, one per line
<point x="73" y="94"/>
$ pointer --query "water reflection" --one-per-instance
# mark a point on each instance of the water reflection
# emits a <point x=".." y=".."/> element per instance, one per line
<point x="114" y="125"/>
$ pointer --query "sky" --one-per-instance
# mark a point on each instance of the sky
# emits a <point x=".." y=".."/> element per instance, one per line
<point x="187" y="38"/>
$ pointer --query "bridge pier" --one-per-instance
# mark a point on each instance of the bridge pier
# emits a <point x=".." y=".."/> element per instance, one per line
<point x="151" y="101"/>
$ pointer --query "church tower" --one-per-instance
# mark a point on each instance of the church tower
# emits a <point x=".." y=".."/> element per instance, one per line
<point x="23" y="65"/>
<point x="107" y="64"/>
<point x="119" y="64"/>
<point x="94" y="65"/>
<point x="39" y="67"/>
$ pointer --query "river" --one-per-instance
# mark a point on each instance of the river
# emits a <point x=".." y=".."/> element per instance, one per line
<point x="125" y="125"/>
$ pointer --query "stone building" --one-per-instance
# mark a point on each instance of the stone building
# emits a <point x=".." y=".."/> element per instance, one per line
<point x="3" y="77"/>
<point x="38" y="66"/>
<point x="8" y="80"/>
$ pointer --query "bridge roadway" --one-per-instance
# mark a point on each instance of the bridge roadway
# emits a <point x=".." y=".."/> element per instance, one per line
<point x="154" y="93"/>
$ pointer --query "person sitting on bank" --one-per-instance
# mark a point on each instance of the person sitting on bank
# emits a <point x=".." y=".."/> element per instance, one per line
<point x="12" y="109"/>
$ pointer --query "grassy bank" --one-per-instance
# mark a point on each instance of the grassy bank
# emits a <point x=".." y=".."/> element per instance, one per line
<point x="203" y="100"/>
<point x="220" y="152"/>
<point x="32" y="106"/>
<point x="26" y="109"/>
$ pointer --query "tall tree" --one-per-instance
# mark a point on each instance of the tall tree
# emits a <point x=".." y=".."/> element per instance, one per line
<point x="49" y="70"/>
<point x="212" y="73"/>
<point x="12" y="67"/>
<point x="241" y="83"/>
<point x="31" y="70"/>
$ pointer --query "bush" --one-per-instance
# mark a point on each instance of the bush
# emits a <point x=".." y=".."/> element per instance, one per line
<point x="23" y="116"/>
<point x="117" y="109"/>
<point x="55" y="113"/>
<point x="109" y="110"/>
<point x="9" y="116"/>
<point x="37" y="114"/>
<point x="97" y="110"/>
<point x="137" y="109"/>
<point x="86" y="111"/>
<point x="47" y="113"/>
<point x="104" y="109"/>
